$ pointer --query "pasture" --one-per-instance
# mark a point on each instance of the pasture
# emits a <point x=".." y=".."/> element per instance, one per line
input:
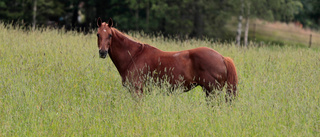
<point x="54" y="84"/>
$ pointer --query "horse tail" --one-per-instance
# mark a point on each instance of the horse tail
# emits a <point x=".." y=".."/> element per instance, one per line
<point x="232" y="77"/>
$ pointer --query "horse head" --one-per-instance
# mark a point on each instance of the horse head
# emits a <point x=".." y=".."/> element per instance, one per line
<point x="104" y="37"/>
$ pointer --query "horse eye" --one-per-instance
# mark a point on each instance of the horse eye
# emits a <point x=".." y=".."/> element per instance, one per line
<point x="110" y="35"/>
<point x="98" y="35"/>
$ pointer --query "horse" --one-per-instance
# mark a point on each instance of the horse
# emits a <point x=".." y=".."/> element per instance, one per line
<point x="200" y="66"/>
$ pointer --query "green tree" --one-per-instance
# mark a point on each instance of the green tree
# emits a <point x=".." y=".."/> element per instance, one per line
<point x="13" y="10"/>
<point x="195" y="18"/>
<point x="22" y="10"/>
<point x="309" y="14"/>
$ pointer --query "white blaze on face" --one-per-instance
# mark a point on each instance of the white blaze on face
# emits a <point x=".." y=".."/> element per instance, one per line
<point x="105" y="30"/>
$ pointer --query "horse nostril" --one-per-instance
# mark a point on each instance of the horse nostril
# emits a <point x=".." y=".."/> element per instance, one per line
<point x="103" y="53"/>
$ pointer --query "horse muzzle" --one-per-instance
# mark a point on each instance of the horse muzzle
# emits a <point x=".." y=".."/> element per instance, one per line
<point x="103" y="53"/>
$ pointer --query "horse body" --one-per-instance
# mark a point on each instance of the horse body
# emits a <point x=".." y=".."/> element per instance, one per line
<point x="189" y="68"/>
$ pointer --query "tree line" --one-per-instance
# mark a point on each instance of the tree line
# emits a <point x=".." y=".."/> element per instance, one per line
<point x="181" y="18"/>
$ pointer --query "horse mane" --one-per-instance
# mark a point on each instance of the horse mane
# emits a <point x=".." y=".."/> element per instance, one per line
<point x="126" y="36"/>
<point x="123" y="35"/>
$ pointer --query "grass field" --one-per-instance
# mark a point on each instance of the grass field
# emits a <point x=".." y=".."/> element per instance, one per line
<point x="55" y="84"/>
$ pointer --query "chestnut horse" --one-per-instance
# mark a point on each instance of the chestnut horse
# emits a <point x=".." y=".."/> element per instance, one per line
<point x="189" y="68"/>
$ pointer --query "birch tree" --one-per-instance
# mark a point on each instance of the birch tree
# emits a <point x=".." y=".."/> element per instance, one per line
<point x="34" y="18"/>
<point x="247" y="15"/>
<point x="239" y="29"/>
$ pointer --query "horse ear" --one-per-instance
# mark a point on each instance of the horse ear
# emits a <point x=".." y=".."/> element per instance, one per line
<point x="110" y="22"/>
<point x="99" y="22"/>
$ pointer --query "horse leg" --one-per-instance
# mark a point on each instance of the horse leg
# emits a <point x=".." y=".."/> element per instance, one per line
<point x="138" y="88"/>
<point x="230" y="93"/>
<point x="134" y="86"/>
<point x="212" y="89"/>
<point x="229" y="97"/>
<point x="210" y="93"/>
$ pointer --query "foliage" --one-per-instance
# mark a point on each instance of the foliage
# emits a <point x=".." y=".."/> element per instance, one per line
<point x="53" y="83"/>
<point x="21" y="10"/>
<point x="177" y="18"/>
<point x="309" y="14"/>
<point x="271" y="10"/>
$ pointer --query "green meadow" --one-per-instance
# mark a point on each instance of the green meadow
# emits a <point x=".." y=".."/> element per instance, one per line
<point x="53" y="83"/>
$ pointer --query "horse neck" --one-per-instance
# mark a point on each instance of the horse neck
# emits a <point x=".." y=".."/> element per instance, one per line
<point x="122" y="51"/>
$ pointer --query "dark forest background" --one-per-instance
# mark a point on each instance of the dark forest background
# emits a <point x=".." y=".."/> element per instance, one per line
<point x="191" y="18"/>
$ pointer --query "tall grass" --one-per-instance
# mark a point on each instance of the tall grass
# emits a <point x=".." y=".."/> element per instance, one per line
<point x="53" y="83"/>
